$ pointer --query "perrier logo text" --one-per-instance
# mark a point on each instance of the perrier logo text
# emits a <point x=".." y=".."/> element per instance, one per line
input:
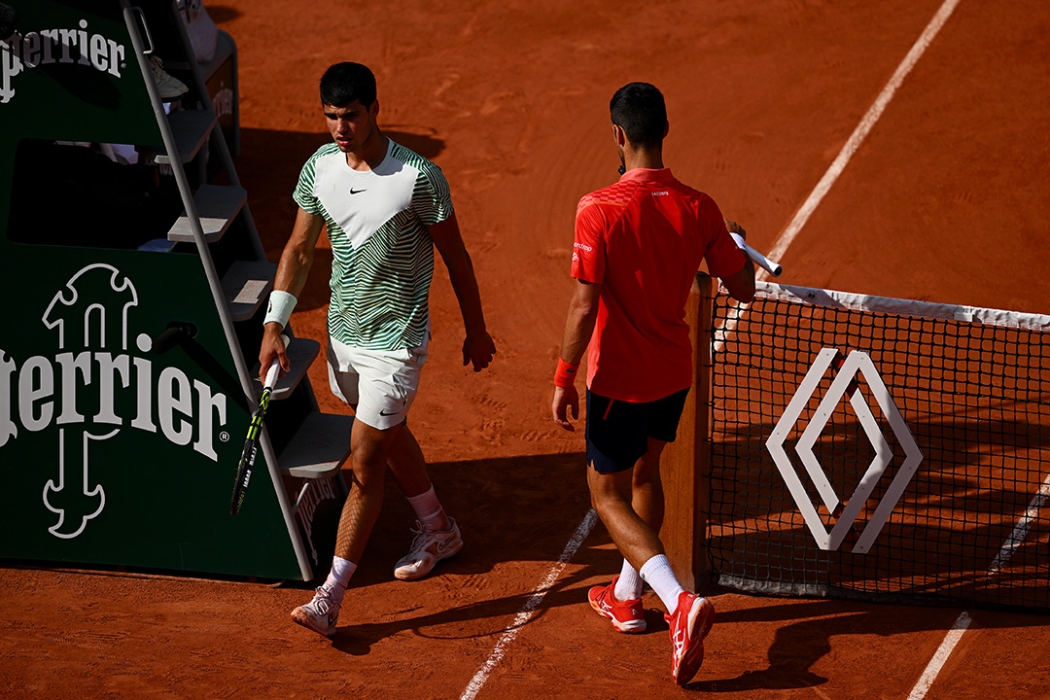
<point x="48" y="46"/>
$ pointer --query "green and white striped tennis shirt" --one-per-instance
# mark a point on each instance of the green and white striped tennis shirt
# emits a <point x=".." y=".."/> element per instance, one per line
<point x="383" y="256"/>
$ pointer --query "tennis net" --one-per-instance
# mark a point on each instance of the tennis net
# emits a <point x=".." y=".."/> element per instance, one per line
<point x="880" y="449"/>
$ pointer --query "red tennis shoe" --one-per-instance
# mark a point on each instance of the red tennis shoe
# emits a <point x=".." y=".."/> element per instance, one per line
<point x="626" y="616"/>
<point x="690" y="623"/>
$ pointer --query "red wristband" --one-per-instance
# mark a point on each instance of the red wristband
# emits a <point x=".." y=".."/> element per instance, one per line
<point x="565" y="375"/>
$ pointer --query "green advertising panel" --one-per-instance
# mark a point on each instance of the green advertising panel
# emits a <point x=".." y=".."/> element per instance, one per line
<point x="114" y="449"/>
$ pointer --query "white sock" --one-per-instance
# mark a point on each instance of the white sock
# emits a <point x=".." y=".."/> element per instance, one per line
<point x="629" y="585"/>
<point x="658" y="574"/>
<point x="339" y="578"/>
<point x="429" y="511"/>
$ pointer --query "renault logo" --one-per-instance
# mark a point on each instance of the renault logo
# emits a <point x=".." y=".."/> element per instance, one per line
<point x="844" y="383"/>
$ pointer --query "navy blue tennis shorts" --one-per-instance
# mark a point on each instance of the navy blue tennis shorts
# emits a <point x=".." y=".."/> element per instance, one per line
<point x="618" y="431"/>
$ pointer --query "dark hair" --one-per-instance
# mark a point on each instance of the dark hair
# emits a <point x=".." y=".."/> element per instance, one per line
<point x="345" y="82"/>
<point x="638" y="108"/>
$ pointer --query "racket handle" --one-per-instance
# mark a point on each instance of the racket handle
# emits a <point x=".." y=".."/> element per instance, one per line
<point x="271" y="374"/>
<point x="275" y="367"/>
<point x="761" y="260"/>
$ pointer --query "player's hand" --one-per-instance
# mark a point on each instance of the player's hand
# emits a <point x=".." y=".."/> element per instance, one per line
<point x="734" y="227"/>
<point x="273" y="345"/>
<point x="566" y="399"/>
<point x="478" y="350"/>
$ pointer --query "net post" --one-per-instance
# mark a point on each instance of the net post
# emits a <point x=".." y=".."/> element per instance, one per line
<point x="685" y="465"/>
<point x="703" y="344"/>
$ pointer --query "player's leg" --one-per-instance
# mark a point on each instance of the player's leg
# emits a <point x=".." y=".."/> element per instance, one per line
<point x="371" y="442"/>
<point x="647" y="493"/>
<point x="390" y="382"/>
<point x="369" y="448"/>
<point x="436" y="536"/>
<point x="611" y="440"/>
<point x="369" y="451"/>
<point x="689" y="616"/>
<point x="647" y="499"/>
<point x="612" y="497"/>
<point x="616" y="445"/>
<point x="409" y="468"/>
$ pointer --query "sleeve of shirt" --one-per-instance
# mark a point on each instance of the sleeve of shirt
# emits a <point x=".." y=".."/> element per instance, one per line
<point x="724" y="257"/>
<point x="431" y="199"/>
<point x="588" y="246"/>
<point x="304" y="189"/>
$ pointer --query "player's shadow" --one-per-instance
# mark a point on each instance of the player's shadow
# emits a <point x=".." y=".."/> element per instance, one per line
<point x="805" y="637"/>
<point x="492" y="617"/>
<point x="357" y="639"/>
<point x="508" y="511"/>
<point x="268" y="167"/>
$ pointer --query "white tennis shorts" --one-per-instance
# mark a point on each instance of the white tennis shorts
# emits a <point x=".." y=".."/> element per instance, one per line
<point x="379" y="384"/>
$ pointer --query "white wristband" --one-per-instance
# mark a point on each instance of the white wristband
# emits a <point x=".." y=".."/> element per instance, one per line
<point x="279" y="310"/>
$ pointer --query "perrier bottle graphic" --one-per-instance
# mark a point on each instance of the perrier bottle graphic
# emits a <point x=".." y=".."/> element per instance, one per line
<point x="100" y="381"/>
<point x="90" y="318"/>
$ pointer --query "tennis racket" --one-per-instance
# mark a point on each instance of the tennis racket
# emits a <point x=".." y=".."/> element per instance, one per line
<point x="251" y="443"/>
<point x="761" y="260"/>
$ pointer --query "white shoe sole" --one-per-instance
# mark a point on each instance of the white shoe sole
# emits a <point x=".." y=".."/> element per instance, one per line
<point x="305" y="620"/>
<point x="404" y="573"/>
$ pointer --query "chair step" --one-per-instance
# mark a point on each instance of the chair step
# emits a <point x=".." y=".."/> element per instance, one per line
<point x="246" y="285"/>
<point x="191" y="129"/>
<point x="217" y="206"/>
<point x="301" y="353"/>
<point x="320" y="446"/>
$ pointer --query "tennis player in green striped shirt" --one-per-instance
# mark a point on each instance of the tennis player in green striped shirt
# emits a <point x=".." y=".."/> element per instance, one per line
<point x="385" y="208"/>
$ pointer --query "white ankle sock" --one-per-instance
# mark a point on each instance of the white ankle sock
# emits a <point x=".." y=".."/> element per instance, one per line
<point x="658" y="574"/>
<point x="339" y="578"/>
<point x="629" y="585"/>
<point x="429" y="511"/>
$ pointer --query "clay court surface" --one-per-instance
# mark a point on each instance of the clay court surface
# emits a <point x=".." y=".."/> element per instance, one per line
<point x="944" y="201"/>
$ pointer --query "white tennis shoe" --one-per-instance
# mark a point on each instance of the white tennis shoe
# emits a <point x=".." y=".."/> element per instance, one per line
<point x="320" y="614"/>
<point x="169" y="87"/>
<point x="428" y="548"/>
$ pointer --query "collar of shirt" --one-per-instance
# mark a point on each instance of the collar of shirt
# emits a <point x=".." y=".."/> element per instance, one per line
<point x="647" y="174"/>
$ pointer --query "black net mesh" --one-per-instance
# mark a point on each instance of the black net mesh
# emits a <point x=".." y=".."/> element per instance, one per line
<point x="969" y="525"/>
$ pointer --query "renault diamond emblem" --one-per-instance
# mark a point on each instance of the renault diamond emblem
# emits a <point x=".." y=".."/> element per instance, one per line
<point x="856" y="362"/>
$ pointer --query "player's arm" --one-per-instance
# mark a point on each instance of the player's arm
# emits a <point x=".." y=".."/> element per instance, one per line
<point x="292" y="271"/>
<point x="478" y="347"/>
<point x="741" y="285"/>
<point x="579" y="325"/>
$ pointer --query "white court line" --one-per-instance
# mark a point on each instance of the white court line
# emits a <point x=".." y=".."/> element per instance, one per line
<point x="938" y="660"/>
<point x="1021" y="529"/>
<point x="789" y="234"/>
<point x="530" y="606"/>
<point x="781" y="246"/>
<point x="1006" y="552"/>
<point x="862" y="130"/>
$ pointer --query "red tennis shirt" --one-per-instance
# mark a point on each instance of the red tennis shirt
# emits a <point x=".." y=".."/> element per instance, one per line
<point x="642" y="239"/>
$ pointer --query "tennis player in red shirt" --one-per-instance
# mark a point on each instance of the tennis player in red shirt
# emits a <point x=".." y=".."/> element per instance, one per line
<point x="637" y="249"/>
